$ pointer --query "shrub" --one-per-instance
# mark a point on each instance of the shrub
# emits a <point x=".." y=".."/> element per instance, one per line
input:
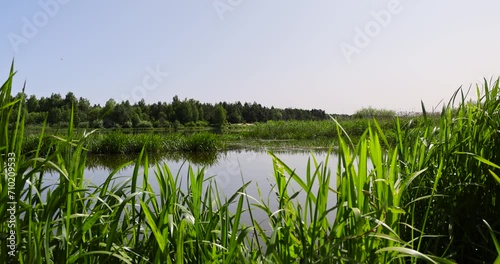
<point x="144" y="124"/>
<point x="97" y="124"/>
<point x="202" y="142"/>
<point x="177" y="125"/>
<point x="63" y="124"/>
<point x="202" y="124"/>
<point x="374" y="113"/>
<point x="127" y="124"/>
<point x="190" y="124"/>
<point x="83" y="124"/>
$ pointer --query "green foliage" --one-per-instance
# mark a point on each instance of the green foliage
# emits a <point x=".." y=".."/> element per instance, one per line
<point x="190" y="124"/>
<point x="177" y="125"/>
<point x="202" y="124"/>
<point x="144" y="124"/>
<point x="459" y="187"/>
<point x="127" y="124"/>
<point x="83" y="125"/>
<point x="301" y="130"/>
<point x="432" y="196"/>
<point x="220" y="116"/>
<point x="97" y="124"/>
<point x="202" y="142"/>
<point x="292" y="130"/>
<point x="121" y="143"/>
<point x="188" y="112"/>
<point x="374" y="113"/>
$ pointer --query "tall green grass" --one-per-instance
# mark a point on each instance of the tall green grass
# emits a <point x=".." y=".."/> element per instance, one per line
<point x="358" y="221"/>
<point x="309" y="130"/>
<point x="430" y="197"/>
<point x="11" y="126"/>
<point x="460" y="188"/>
<point x="117" y="142"/>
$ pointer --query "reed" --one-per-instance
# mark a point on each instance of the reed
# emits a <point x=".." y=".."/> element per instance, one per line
<point x="430" y="196"/>
<point x="117" y="142"/>
<point x="460" y="187"/>
<point x="313" y="130"/>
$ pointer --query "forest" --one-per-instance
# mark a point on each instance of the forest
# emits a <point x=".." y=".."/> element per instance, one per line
<point x="188" y="112"/>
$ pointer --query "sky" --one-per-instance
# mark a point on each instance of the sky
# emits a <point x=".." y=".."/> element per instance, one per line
<point x="334" y="55"/>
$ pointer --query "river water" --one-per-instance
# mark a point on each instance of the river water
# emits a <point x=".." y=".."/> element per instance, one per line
<point x="229" y="169"/>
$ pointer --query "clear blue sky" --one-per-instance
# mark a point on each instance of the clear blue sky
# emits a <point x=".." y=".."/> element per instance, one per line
<point x="334" y="55"/>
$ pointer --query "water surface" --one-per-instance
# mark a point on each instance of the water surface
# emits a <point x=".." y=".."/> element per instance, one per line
<point x="230" y="170"/>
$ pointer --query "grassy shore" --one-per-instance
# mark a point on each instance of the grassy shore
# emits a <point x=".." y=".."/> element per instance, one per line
<point x="431" y="196"/>
<point x="271" y="135"/>
<point x="117" y="142"/>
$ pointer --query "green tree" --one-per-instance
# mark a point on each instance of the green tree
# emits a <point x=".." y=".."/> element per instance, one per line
<point x="56" y="116"/>
<point x="235" y="116"/>
<point x="82" y="109"/>
<point x="33" y="104"/>
<point x="55" y="101"/>
<point x="120" y="114"/>
<point x="220" y="118"/>
<point x="184" y="112"/>
<point x="70" y="100"/>
<point x="107" y="111"/>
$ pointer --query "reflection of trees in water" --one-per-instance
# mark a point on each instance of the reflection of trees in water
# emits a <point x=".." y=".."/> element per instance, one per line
<point x="115" y="160"/>
<point x="112" y="161"/>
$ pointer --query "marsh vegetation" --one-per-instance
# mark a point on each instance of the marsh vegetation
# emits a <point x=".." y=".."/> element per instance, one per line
<point x="428" y="191"/>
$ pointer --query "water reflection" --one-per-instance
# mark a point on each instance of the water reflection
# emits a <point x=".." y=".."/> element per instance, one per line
<point x="229" y="170"/>
<point x="110" y="162"/>
<point x="206" y="159"/>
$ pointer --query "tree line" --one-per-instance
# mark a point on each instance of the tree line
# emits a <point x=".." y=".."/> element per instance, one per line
<point x="188" y="112"/>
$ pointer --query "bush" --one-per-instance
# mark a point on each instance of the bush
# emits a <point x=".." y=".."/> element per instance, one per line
<point x="35" y="118"/>
<point x="167" y="124"/>
<point x="190" y="124"/>
<point x="117" y="142"/>
<point x="177" y="125"/>
<point x="374" y="113"/>
<point x="97" y="124"/>
<point x="202" y="124"/>
<point x="127" y="124"/>
<point x="202" y="142"/>
<point x="144" y="124"/>
<point x="63" y="124"/>
<point x="83" y="124"/>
